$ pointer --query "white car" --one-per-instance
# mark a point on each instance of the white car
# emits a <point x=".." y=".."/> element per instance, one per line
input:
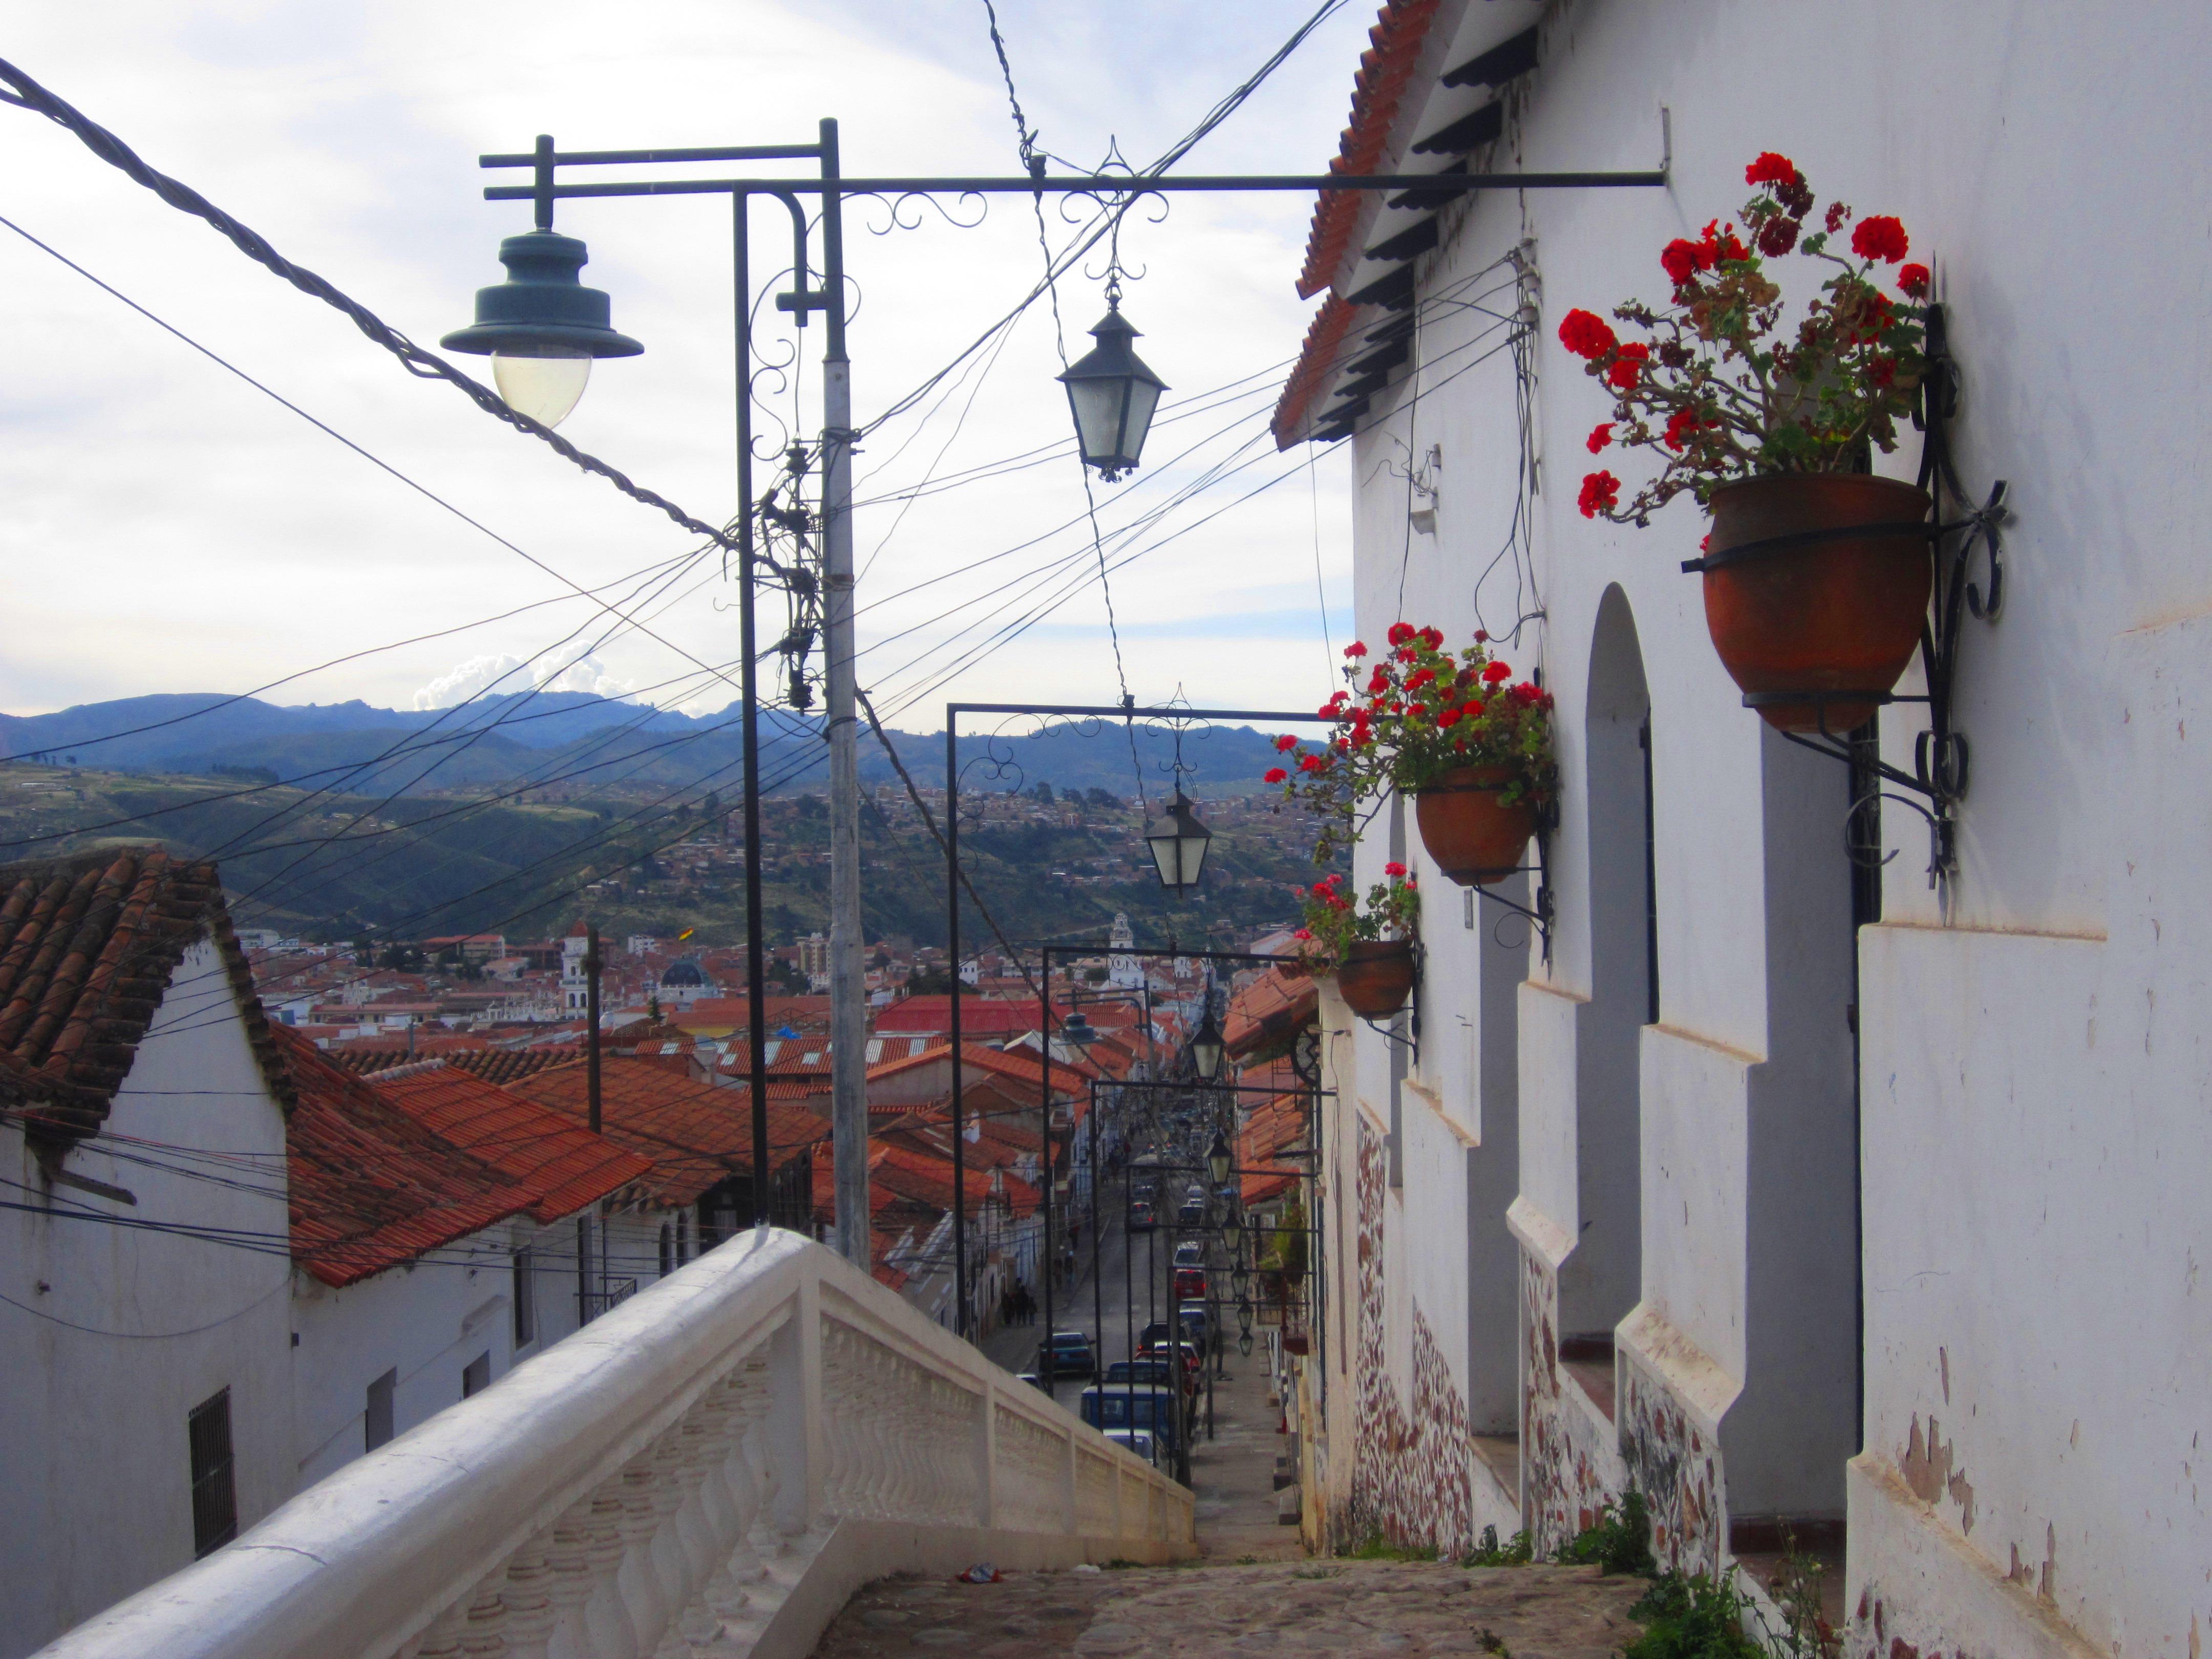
<point x="1191" y="1253"/>
<point x="1138" y="1441"/>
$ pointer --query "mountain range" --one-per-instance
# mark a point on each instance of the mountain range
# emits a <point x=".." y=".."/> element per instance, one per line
<point x="575" y="738"/>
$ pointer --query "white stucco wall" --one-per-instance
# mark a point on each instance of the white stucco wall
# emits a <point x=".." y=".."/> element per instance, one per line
<point x="111" y="1334"/>
<point x="2033" y="1148"/>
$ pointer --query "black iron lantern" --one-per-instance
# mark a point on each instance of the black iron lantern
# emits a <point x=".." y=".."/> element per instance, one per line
<point x="1077" y="1032"/>
<point x="1112" y="395"/>
<point x="1206" y="1049"/>
<point x="542" y="327"/>
<point x="1219" y="1161"/>
<point x="1178" y="841"/>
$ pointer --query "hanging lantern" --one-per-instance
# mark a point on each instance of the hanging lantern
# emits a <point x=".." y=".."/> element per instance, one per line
<point x="1112" y="395"/>
<point x="1178" y="841"/>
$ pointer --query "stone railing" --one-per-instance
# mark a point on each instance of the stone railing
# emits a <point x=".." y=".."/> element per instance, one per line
<point x="712" y="1468"/>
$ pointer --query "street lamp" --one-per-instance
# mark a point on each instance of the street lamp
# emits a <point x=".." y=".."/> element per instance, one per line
<point x="1206" y="1052"/>
<point x="1077" y="1032"/>
<point x="1112" y="395"/>
<point x="542" y="327"/>
<point x="1178" y="843"/>
<point x="1217" y="1160"/>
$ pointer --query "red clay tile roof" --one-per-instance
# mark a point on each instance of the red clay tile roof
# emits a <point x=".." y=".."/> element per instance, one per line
<point x="493" y="1065"/>
<point x="979" y="1016"/>
<point x="564" y="1163"/>
<point x="87" y="946"/>
<point x="1317" y="360"/>
<point x="1267" y="1014"/>
<point x="1386" y="68"/>
<point x="696" y="1134"/>
<point x="370" y="1188"/>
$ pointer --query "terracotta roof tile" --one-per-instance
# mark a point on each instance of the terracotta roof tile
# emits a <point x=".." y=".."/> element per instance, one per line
<point x="371" y="1188"/>
<point x="493" y="1065"/>
<point x="1386" y="69"/>
<point x="696" y="1134"/>
<point x="87" y="946"/>
<point x="563" y="1163"/>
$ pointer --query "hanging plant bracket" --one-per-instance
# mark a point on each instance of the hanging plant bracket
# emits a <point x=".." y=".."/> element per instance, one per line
<point x="1940" y="754"/>
<point x="1539" y="917"/>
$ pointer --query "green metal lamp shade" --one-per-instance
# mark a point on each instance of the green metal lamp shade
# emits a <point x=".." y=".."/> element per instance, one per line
<point x="1112" y="395"/>
<point x="541" y="309"/>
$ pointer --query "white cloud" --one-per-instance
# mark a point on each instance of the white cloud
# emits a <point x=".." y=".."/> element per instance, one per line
<point x="555" y="671"/>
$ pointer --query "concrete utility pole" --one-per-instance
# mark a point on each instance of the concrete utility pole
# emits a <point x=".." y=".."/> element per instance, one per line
<point x="849" y="1034"/>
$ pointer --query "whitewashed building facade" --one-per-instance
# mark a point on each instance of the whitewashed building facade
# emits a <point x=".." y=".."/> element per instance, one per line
<point x="1874" y="1209"/>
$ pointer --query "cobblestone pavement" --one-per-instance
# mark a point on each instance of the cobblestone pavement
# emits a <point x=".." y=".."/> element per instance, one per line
<point x="1401" y="1609"/>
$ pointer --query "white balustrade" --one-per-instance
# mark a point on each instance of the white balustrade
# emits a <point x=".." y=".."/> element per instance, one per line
<point x="709" y="1469"/>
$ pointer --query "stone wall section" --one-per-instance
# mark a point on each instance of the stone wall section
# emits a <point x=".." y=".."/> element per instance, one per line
<point x="1412" y="1467"/>
<point x="1570" y="1468"/>
<point x="1677" y="1468"/>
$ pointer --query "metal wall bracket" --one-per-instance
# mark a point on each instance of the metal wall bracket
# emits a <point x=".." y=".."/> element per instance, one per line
<point x="1957" y="531"/>
<point x="1539" y="917"/>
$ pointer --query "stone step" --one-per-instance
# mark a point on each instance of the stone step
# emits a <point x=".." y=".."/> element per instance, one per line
<point x="1408" y="1610"/>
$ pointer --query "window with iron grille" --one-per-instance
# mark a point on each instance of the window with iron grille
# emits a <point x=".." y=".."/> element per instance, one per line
<point x="525" y="1307"/>
<point x="215" y="1489"/>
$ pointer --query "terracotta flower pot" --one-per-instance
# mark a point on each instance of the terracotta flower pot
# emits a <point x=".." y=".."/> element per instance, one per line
<point x="1471" y="837"/>
<point x="1840" y="614"/>
<point x="1375" y="977"/>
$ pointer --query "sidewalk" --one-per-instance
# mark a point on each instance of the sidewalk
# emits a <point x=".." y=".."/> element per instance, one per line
<point x="1233" y="1474"/>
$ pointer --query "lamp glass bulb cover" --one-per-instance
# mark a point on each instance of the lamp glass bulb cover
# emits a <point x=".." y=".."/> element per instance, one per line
<point x="1178" y="843"/>
<point x="1244" y="1344"/>
<point x="543" y="383"/>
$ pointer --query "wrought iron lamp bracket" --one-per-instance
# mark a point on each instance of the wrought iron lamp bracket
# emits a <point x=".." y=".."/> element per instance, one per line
<point x="1968" y="549"/>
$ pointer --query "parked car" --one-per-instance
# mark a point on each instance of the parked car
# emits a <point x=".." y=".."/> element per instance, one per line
<point x="1142" y="1442"/>
<point x="1191" y="1253"/>
<point x="1066" y="1353"/>
<point x="1190" y="1282"/>
<point x="1185" y="1352"/>
<point x="1141" y="1218"/>
<point x="1196" y="1324"/>
<point x="1141" y="1407"/>
<point x="1193" y="1214"/>
<point x="1157" y="1331"/>
<point x="1031" y="1379"/>
<point x="1143" y="1369"/>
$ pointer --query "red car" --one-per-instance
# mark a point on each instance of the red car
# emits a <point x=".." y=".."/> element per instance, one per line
<point x="1191" y="1285"/>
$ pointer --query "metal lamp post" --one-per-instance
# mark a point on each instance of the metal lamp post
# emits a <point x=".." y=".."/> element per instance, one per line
<point x="542" y="329"/>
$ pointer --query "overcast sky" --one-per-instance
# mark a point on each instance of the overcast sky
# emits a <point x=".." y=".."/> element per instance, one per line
<point x="169" y="528"/>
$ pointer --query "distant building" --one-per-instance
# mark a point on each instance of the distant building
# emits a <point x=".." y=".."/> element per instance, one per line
<point x="1123" y="972"/>
<point x="684" y="983"/>
<point x="575" y="989"/>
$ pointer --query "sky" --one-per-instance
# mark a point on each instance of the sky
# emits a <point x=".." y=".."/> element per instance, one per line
<point x="169" y="527"/>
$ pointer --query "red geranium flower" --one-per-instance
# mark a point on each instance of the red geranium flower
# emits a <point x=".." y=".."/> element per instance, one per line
<point x="1379" y="680"/>
<point x="1497" y="671"/>
<point x="1777" y="236"/>
<point x="1401" y="632"/>
<point x="1309" y="763"/>
<point x="1276" y="775"/>
<point x="1394" y="869"/>
<point x="1449" y="718"/>
<point x="1482" y="636"/>
<point x="1682" y="259"/>
<point x="1627" y="365"/>
<point x="1880" y="237"/>
<point x="1837" y="213"/>
<point x="1681" y="425"/>
<point x="1356" y="648"/>
<point x="1432" y="637"/>
<point x="1285" y="743"/>
<point x="1601" y="435"/>
<point x="1913" y="279"/>
<point x="1601" y="493"/>
<point x="1586" y="334"/>
<point x="1770" y="169"/>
